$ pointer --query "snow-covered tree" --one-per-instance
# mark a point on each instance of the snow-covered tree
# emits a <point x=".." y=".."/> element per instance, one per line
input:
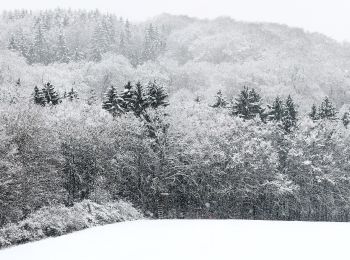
<point x="327" y="110"/>
<point x="220" y="101"/>
<point x="247" y="105"/>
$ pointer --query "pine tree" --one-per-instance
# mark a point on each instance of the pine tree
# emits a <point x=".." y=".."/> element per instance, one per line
<point x="157" y="95"/>
<point x="39" y="97"/>
<point x="327" y="110"/>
<point x="247" y="105"/>
<point x="220" y="100"/>
<point x="346" y="119"/>
<point x="72" y="95"/>
<point x="314" y="114"/>
<point x="62" y="54"/>
<point x="12" y="44"/>
<point x="92" y="99"/>
<point x="141" y="102"/>
<point x="51" y="96"/>
<point x="113" y="103"/>
<point x="289" y="119"/>
<point x="40" y="51"/>
<point x="122" y="47"/>
<point x="277" y="110"/>
<point x="153" y="44"/>
<point x="128" y="97"/>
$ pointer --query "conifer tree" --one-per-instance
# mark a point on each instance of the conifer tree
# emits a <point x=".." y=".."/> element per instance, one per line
<point x="346" y="119"/>
<point x="153" y="44"/>
<point x="141" y="102"/>
<point x="327" y="110"/>
<point x="40" y="51"/>
<point x="62" y="54"/>
<point x="12" y="44"/>
<point x="220" y="100"/>
<point x="51" y="96"/>
<point x="157" y="95"/>
<point x="277" y="110"/>
<point x="247" y="105"/>
<point x="39" y="97"/>
<point x="71" y="95"/>
<point x="113" y="103"/>
<point x="92" y="97"/>
<point x="128" y="97"/>
<point x="313" y="114"/>
<point x="289" y="119"/>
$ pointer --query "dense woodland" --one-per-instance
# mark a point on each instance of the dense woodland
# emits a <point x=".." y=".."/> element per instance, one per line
<point x="209" y="119"/>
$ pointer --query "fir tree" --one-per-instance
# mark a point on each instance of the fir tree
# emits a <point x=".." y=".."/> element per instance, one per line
<point x="113" y="103"/>
<point x="141" y="102"/>
<point x="71" y="95"/>
<point x="51" y="96"/>
<point x="313" y="114"/>
<point x="39" y="97"/>
<point x="289" y="118"/>
<point x="327" y="110"/>
<point x="277" y="110"/>
<point x="346" y="119"/>
<point x="92" y="97"/>
<point x="220" y="100"/>
<point x="12" y="44"/>
<point x="62" y="50"/>
<point x="128" y="97"/>
<point x="153" y="44"/>
<point x="157" y="95"/>
<point x="40" y="51"/>
<point x="247" y="105"/>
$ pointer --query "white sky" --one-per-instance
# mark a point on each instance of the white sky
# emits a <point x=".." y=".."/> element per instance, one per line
<point x="330" y="17"/>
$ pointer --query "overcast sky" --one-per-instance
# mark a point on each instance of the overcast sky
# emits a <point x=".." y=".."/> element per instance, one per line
<point x="331" y="17"/>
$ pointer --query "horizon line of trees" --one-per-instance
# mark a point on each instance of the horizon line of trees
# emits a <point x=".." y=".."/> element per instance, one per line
<point x="216" y="163"/>
<point x="48" y="43"/>
<point x="248" y="105"/>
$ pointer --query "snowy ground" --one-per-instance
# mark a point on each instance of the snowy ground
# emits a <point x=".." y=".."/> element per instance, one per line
<point x="194" y="239"/>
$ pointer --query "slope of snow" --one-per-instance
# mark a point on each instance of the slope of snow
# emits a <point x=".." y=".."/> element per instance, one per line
<point x="193" y="239"/>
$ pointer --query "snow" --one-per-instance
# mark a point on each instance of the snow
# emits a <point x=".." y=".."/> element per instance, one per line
<point x="193" y="239"/>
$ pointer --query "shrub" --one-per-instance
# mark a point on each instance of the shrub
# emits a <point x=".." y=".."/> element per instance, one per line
<point x="58" y="220"/>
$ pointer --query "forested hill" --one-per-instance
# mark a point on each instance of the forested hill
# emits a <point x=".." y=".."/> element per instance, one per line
<point x="187" y="54"/>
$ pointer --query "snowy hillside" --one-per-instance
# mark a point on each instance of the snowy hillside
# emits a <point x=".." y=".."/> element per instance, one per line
<point x="193" y="239"/>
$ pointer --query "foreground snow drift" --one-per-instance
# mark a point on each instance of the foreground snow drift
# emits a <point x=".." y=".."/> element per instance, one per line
<point x="193" y="239"/>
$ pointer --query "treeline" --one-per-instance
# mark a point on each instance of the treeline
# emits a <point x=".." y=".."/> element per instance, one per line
<point x="62" y="36"/>
<point x="249" y="105"/>
<point x="187" y="158"/>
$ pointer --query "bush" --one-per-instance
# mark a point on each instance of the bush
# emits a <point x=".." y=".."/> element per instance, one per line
<point x="58" y="220"/>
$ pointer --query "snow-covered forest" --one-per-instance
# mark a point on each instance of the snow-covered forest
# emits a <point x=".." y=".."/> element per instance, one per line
<point x="181" y="117"/>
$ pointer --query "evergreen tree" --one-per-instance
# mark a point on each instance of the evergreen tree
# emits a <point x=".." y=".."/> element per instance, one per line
<point x="113" y="103"/>
<point x="39" y="97"/>
<point x="62" y="54"/>
<point x="12" y="44"/>
<point x="71" y="95"/>
<point x="153" y="44"/>
<point x="289" y="118"/>
<point x="92" y="97"/>
<point x="128" y="97"/>
<point x="346" y="119"/>
<point x="220" y="100"/>
<point x="313" y="114"/>
<point x="51" y="96"/>
<point x="247" y="105"/>
<point x="122" y="47"/>
<point x="327" y="110"/>
<point x="141" y="102"/>
<point x="40" y="51"/>
<point x="157" y="95"/>
<point x="277" y="110"/>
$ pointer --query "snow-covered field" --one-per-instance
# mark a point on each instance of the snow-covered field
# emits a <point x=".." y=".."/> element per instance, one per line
<point x="194" y="239"/>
